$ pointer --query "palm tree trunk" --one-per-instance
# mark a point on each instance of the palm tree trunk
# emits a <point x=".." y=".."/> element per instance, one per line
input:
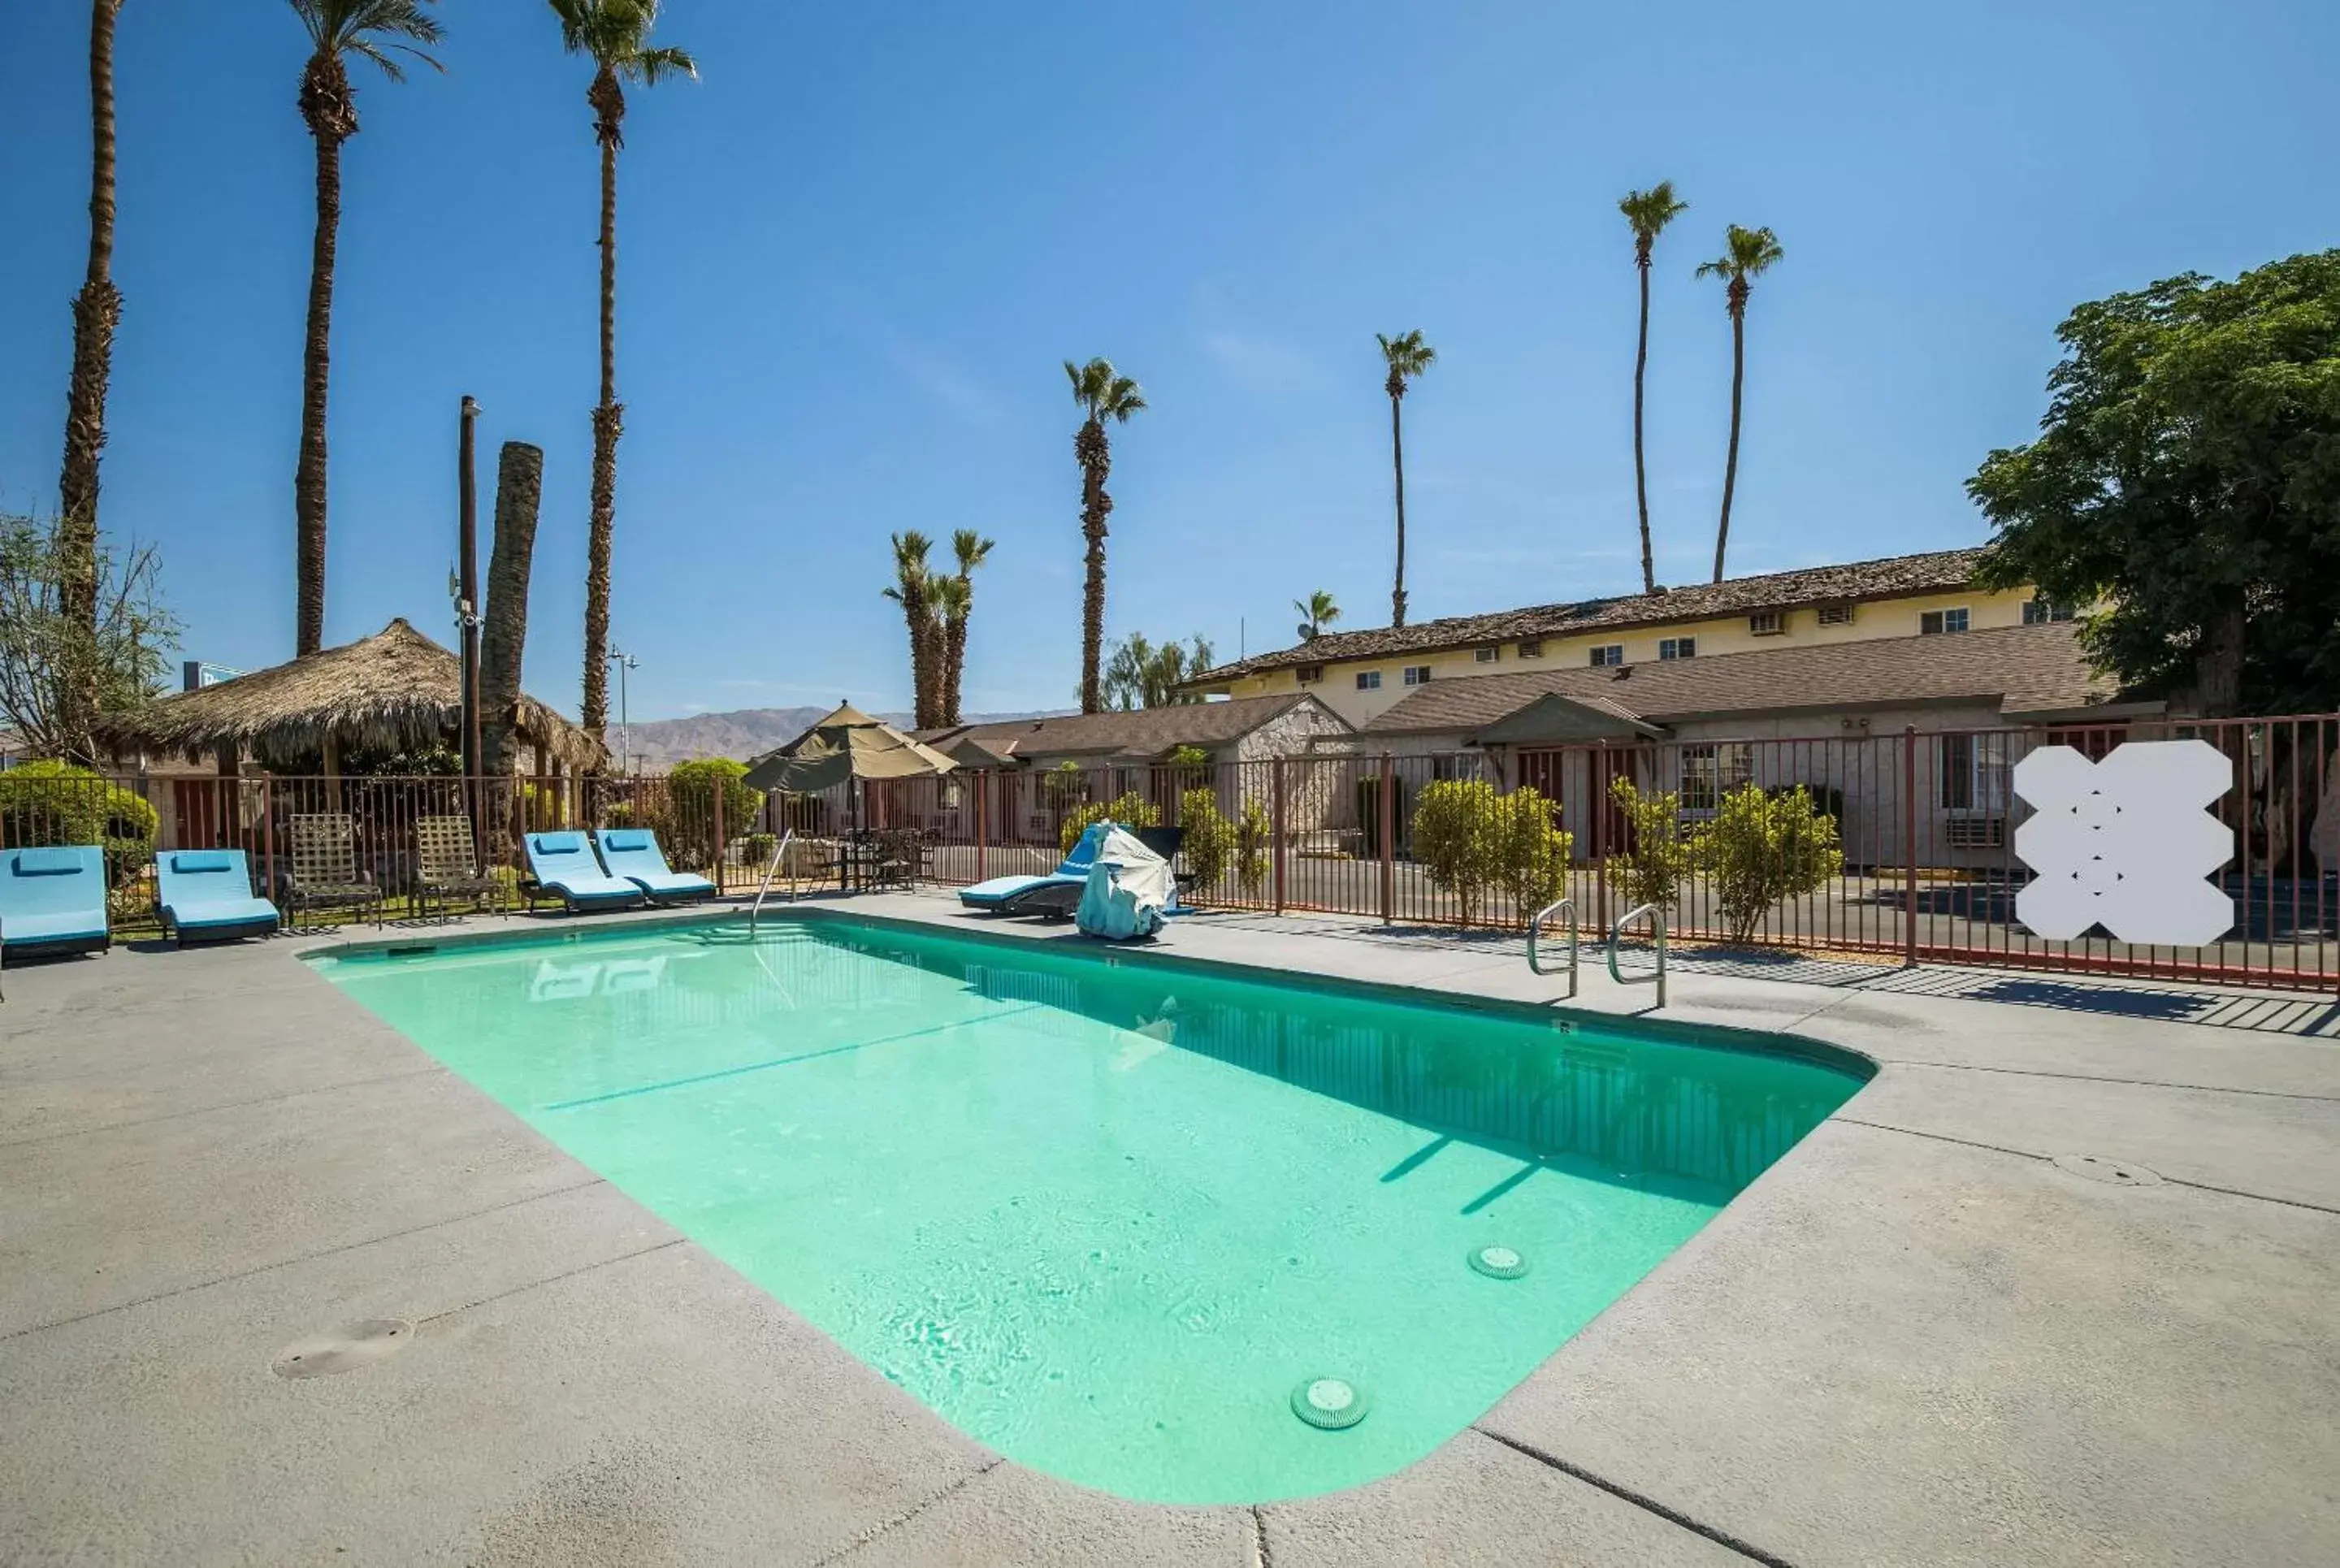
<point x="954" y="665"/>
<point x="608" y="417"/>
<point x="97" y="311"/>
<point x="520" y="488"/>
<point x="1397" y="460"/>
<point x="309" y="480"/>
<point x="1640" y="467"/>
<point x="1731" y="464"/>
<point x="1096" y="456"/>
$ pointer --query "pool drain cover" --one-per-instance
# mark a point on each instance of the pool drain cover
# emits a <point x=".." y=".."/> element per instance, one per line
<point x="2096" y="1167"/>
<point x="1329" y="1402"/>
<point x="345" y="1349"/>
<point x="1498" y="1262"/>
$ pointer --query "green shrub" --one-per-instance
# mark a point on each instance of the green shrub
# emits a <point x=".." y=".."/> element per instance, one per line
<point x="1472" y="839"/>
<point x="1532" y="851"/>
<point x="1254" y="834"/>
<point x="1762" y="847"/>
<point x="1209" y="840"/>
<point x="758" y="849"/>
<point x="1132" y="809"/>
<point x="44" y="803"/>
<point x="1659" y="857"/>
<point x="690" y="792"/>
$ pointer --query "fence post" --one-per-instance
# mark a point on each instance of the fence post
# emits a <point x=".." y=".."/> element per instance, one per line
<point x="721" y="788"/>
<point x="1600" y="807"/>
<point x="1910" y="847"/>
<point x="1275" y="830"/>
<point x="267" y="838"/>
<point x="1386" y="808"/>
<point x="982" y="824"/>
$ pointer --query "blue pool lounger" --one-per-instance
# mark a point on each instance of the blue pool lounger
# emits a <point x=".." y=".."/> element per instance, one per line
<point x="633" y="854"/>
<point x="207" y="893"/>
<point x="1001" y="892"/>
<point x="564" y="865"/>
<point x="53" y="900"/>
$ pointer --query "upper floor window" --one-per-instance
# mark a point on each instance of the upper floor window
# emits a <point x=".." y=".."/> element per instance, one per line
<point x="1417" y="675"/>
<point x="1532" y="647"/>
<point x="1609" y="653"/>
<point x="1932" y="622"/>
<point x="1368" y="681"/>
<point x="1310" y="674"/>
<point x="1678" y="648"/>
<point x="2040" y="611"/>
<point x="1836" y="615"/>
<point x="1487" y="655"/>
<point x="1767" y="623"/>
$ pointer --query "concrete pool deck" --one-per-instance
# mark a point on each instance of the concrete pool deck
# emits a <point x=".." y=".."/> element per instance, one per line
<point x="1916" y="1339"/>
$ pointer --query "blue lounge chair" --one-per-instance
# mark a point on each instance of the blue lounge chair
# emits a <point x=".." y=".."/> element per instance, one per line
<point x="563" y="866"/>
<point x="53" y="900"/>
<point x="633" y="854"/>
<point x="207" y="893"/>
<point x="1005" y="894"/>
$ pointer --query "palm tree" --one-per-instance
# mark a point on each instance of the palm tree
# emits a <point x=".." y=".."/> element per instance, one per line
<point x="615" y="35"/>
<point x="913" y="590"/>
<point x="339" y="30"/>
<point x="1317" y="612"/>
<point x="1747" y="255"/>
<point x="1406" y="356"/>
<point x="1104" y="394"/>
<point x="972" y="549"/>
<point x="1648" y="211"/>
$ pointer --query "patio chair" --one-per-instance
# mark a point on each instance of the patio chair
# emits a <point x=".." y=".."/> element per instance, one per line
<point x="323" y="871"/>
<point x="563" y="866"/>
<point x="446" y="868"/>
<point x="633" y="854"/>
<point x="53" y="900"/>
<point x="1002" y="894"/>
<point x="207" y="894"/>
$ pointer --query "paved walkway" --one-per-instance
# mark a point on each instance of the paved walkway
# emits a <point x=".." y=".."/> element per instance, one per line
<point x="1916" y="1339"/>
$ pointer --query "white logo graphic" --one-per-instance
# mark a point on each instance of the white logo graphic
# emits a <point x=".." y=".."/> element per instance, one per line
<point x="2125" y="842"/>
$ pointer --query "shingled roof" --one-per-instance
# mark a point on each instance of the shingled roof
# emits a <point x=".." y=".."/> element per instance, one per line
<point x="1137" y="732"/>
<point x="2017" y="668"/>
<point x="1859" y="581"/>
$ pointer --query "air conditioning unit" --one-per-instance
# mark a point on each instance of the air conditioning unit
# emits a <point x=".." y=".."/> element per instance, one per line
<point x="1977" y="833"/>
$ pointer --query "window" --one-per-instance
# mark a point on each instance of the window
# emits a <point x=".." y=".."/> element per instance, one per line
<point x="1417" y="675"/>
<point x="1973" y="773"/>
<point x="1934" y="622"/>
<point x="1609" y="653"/>
<point x="1310" y="674"/>
<point x="1678" y="648"/>
<point x="1711" y="772"/>
<point x="1368" y="681"/>
<point x="1769" y="624"/>
<point x="2040" y="611"/>
<point x="1486" y="655"/>
<point x="1836" y="615"/>
<point x="1533" y="647"/>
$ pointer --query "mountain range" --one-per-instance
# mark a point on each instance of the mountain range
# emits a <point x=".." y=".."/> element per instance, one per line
<point x="744" y="732"/>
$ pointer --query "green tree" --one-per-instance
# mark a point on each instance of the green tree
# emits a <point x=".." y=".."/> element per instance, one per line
<point x="1658" y="856"/>
<point x="1404" y="357"/>
<point x="691" y="790"/>
<point x="340" y="31"/>
<point x="1747" y="255"/>
<point x="1317" y="612"/>
<point x="1763" y="847"/>
<point x="1531" y="852"/>
<point x="1142" y="675"/>
<point x="1647" y="213"/>
<point x="615" y="35"/>
<point x="914" y="589"/>
<point x="1472" y="839"/>
<point x="1103" y="393"/>
<point x="97" y="311"/>
<point x="50" y="803"/>
<point x="2186" y="483"/>
<point x="971" y="549"/>
<point x="46" y="657"/>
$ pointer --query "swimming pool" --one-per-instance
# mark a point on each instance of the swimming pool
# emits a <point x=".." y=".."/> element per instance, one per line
<point x="1135" y="1225"/>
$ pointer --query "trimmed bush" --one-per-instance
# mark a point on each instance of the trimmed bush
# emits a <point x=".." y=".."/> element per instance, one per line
<point x="1472" y="839"/>
<point x="1658" y="856"/>
<point x="1764" y="846"/>
<point x="45" y="803"/>
<point x="1131" y="809"/>
<point x="690" y="790"/>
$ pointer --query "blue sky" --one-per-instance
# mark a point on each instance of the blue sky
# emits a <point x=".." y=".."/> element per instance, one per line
<point x="853" y="255"/>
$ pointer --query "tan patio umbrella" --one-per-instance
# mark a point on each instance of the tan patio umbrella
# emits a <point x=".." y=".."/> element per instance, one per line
<point x="846" y="744"/>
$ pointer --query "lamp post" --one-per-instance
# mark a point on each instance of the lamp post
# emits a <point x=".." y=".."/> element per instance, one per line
<point x="465" y="589"/>
<point x="623" y="662"/>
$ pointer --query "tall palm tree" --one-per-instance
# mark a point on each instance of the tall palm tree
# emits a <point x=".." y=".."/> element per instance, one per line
<point x="1407" y="356"/>
<point x="1104" y="394"/>
<point x="1747" y="255"/>
<point x="913" y="590"/>
<point x="615" y="35"/>
<point x="1648" y="211"/>
<point x="949" y="598"/>
<point x="1317" y="612"/>
<point x="338" y="31"/>
<point x="971" y="549"/>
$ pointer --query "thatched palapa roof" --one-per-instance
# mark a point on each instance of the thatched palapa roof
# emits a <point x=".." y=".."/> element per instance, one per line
<point x="395" y="691"/>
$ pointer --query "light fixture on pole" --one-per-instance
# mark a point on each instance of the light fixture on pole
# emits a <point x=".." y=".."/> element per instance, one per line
<point x="623" y="662"/>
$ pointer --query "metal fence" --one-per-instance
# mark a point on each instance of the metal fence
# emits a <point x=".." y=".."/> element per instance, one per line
<point x="1926" y="822"/>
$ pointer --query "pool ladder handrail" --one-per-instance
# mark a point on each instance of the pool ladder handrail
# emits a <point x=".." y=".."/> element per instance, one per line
<point x="778" y="854"/>
<point x="1535" y="930"/>
<point x="1658" y="930"/>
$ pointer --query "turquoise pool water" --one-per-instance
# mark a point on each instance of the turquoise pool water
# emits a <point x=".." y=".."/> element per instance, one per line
<point x="1106" y="1219"/>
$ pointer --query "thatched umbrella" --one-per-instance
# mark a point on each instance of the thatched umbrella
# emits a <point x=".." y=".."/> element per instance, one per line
<point x="396" y="691"/>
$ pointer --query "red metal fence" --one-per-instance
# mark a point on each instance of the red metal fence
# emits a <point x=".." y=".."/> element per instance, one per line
<point x="1924" y="821"/>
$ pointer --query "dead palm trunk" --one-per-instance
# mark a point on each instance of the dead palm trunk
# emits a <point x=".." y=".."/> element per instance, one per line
<point x="97" y="311"/>
<point x="608" y="102"/>
<point x="326" y="104"/>
<point x="520" y="488"/>
<point x="1396" y="387"/>
<point x="1095" y="455"/>
<point x="1737" y="301"/>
